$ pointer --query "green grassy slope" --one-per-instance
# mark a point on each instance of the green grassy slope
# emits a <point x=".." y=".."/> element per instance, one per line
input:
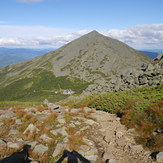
<point x="42" y="85"/>
<point x="141" y="108"/>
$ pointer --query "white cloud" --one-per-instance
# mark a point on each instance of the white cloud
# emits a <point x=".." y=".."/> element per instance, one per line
<point x="27" y="1"/>
<point x="139" y="37"/>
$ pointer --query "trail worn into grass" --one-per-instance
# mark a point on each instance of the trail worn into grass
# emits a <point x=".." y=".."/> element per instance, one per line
<point x="115" y="143"/>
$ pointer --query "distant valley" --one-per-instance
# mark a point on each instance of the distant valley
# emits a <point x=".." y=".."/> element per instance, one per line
<point x="151" y="54"/>
<point x="10" y="56"/>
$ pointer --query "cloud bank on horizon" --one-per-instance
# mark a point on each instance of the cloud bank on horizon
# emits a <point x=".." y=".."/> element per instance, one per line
<point x="138" y="37"/>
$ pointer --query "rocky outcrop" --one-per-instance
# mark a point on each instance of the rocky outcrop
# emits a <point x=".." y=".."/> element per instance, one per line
<point x="145" y="75"/>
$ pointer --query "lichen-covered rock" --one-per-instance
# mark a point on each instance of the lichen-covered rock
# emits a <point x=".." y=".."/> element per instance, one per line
<point x="58" y="149"/>
<point x="6" y="114"/>
<point x="46" y="138"/>
<point x="62" y="131"/>
<point x="13" y="132"/>
<point x="112" y="161"/>
<point x="92" y="158"/>
<point x="31" y="129"/>
<point x="90" y="122"/>
<point x="88" y="142"/>
<point x="30" y="109"/>
<point x="40" y="149"/>
<point x="71" y="125"/>
<point x="2" y="143"/>
<point x="61" y="120"/>
<point x="159" y="157"/>
<point x="13" y="145"/>
<point x="87" y="109"/>
<point x="1" y="123"/>
<point x="74" y="110"/>
<point x="41" y="117"/>
<point x="18" y="121"/>
<point x="136" y="148"/>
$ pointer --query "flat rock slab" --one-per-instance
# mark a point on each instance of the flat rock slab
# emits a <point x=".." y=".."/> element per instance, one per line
<point x="136" y="148"/>
<point x="58" y="149"/>
<point x="30" y="109"/>
<point x="1" y="123"/>
<point x="92" y="158"/>
<point x="13" y="132"/>
<point x="2" y="143"/>
<point x="6" y="114"/>
<point x="90" y="122"/>
<point x="74" y="110"/>
<point x="46" y="138"/>
<point x="62" y="131"/>
<point x="31" y="143"/>
<point x="13" y="145"/>
<point x="40" y="149"/>
<point x="31" y="129"/>
<point x="87" y="109"/>
<point x="61" y="120"/>
<point x="41" y="117"/>
<point x="18" y="121"/>
<point x="159" y="157"/>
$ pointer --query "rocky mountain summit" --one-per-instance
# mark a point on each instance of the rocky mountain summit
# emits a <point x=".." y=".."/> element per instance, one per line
<point x="95" y="57"/>
<point x="95" y="135"/>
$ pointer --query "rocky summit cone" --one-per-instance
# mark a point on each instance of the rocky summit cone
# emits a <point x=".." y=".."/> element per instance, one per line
<point x="92" y="60"/>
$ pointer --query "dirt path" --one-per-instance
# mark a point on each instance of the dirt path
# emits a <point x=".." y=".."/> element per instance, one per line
<point x="115" y="143"/>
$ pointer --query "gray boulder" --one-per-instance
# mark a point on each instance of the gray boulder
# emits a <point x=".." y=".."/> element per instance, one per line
<point x="46" y="138"/>
<point x="40" y="149"/>
<point x="2" y="143"/>
<point x="159" y="157"/>
<point x="13" y="132"/>
<point x="6" y="114"/>
<point x="62" y="131"/>
<point x="136" y="148"/>
<point x="58" y="149"/>
<point x="31" y="129"/>
<point x="13" y="145"/>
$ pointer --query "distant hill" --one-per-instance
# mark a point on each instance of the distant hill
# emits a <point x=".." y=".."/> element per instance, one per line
<point x="90" y="61"/>
<point x="10" y="56"/>
<point x="149" y="53"/>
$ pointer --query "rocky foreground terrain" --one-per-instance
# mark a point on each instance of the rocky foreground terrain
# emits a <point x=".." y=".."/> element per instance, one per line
<point x="96" y="135"/>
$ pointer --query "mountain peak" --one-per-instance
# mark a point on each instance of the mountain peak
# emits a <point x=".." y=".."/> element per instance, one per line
<point x="94" y="33"/>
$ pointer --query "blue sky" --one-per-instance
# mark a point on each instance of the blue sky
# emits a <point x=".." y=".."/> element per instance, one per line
<point x="52" y="23"/>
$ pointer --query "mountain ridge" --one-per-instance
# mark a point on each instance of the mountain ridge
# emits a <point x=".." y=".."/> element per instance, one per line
<point x="92" y="59"/>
